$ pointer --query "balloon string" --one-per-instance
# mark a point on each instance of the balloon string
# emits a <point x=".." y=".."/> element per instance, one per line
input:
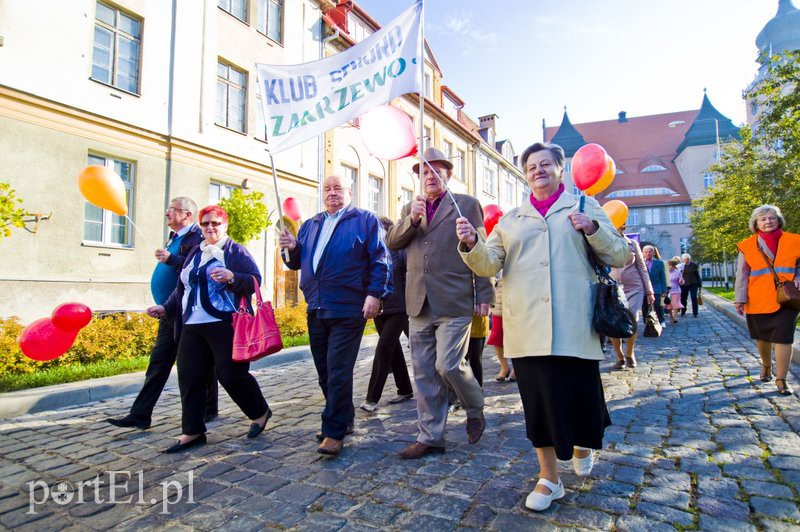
<point x="141" y="233"/>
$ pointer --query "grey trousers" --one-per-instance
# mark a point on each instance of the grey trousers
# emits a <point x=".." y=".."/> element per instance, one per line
<point x="438" y="346"/>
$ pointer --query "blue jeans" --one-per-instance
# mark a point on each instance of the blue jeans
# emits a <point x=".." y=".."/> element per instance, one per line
<point x="334" y="346"/>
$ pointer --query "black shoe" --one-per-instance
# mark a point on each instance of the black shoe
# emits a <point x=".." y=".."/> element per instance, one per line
<point x="128" y="422"/>
<point x="178" y="447"/>
<point x="210" y="417"/>
<point x="256" y="429"/>
<point x="320" y="436"/>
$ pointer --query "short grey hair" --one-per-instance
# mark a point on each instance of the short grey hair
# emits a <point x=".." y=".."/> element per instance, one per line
<point x="686" y="256"/>
<point x="648" y="246"/>
<point x="761" y="211"/>
<point x="556" y="150"/>
<point x="187" y="204"/>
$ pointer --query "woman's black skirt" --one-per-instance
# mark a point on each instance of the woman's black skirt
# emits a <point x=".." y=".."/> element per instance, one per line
<point x="563" y="401"/>
<point x="777" y="327"/>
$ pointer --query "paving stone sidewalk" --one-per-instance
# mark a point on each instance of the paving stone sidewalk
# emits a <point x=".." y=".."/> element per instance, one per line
<point x="698" y="442"/>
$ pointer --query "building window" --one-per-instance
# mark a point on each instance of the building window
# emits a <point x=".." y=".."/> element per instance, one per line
<point x="428" y="86"/>
<point x="489" y="181"/>
<point x="376" y="195"/>
<point x="458" y="165"/>
<point x="657" y="191"/>
<point x="231" y="96"/>
<point x="575" y="191"/>
<point x="237" y="8"/>
<point x="406" y="195"/>
<point x="633" y="218"/>
<point x="447" y="148"/>
<point x="708" y="180"/>
<point x="270" y="19"/>
<point x="350" y="174"/>
<point x="653" y="168"/>
<point x="218" y="191"/>
<point x="103" y="226"/>
<point x="508" y="193"/>
<point x="117" y="46"/>
<point x="427" y="141"/>
<point x="568" y="167"/>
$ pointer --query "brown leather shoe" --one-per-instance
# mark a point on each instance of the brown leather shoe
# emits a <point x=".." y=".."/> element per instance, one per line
<point x="475" y="426"/>
<point x="330" y="447"/>
<point x="418" y="450"/>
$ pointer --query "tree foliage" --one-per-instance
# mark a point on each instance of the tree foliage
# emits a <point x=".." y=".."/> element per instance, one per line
<point x="761" y="168"/>
<point x="11" y="212"/>
<point x="248" y="216"/>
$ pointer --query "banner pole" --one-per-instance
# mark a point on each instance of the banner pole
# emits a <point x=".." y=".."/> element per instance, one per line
<point x="422" y="93"/>
<point x="277" y="196"/>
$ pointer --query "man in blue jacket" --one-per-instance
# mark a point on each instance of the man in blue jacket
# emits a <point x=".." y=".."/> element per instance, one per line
<point x="658" y="278"/>
<point x="345" y="270"/>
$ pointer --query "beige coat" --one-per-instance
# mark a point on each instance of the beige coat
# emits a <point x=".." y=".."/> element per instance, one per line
<point x="547" y="279"/>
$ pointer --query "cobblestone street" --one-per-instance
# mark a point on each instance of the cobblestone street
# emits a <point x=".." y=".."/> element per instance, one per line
<point x="698" y="442"/>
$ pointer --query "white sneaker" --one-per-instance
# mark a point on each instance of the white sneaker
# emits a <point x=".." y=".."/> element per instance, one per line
<point x="366" y="406"/>
<point x="539" y="501"/>
<point x="583" y="466"/>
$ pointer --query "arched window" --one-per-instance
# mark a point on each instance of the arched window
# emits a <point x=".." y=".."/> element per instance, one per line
<point x="653" y="168"/>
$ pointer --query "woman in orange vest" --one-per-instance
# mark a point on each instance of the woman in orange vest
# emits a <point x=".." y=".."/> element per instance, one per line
<point x="755" y="293"/>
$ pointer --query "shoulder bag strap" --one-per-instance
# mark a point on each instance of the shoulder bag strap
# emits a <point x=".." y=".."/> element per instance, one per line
<point x="596" y="264"/>
<point x="243" y="299"/>
<point x="769" y="264"/>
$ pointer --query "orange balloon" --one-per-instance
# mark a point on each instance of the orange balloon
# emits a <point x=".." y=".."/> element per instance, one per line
<point x="617" y="211"/>
<point x="605" y="180"/>
<point x="103" y="188"/>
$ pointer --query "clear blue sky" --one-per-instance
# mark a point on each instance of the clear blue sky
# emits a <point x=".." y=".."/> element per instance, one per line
<point x="525" y="61"/>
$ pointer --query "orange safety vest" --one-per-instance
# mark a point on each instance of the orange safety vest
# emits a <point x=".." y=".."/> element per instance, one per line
<point x="761" y="292"/>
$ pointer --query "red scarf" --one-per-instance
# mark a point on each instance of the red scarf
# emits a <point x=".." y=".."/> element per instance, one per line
<point x="544" y="205"/>
<point x="771" y="240"/>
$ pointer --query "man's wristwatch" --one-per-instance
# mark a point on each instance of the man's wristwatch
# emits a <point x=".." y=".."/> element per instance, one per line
<point x="230" y="283"/>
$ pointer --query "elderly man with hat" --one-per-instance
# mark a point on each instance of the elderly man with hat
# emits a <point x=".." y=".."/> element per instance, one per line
<point x="442" y="294"/>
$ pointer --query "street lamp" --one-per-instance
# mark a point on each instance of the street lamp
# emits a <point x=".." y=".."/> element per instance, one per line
<point x="719" y="158"/>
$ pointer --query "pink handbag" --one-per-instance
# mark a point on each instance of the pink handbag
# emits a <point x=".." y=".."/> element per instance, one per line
<point x="255" y="336"/>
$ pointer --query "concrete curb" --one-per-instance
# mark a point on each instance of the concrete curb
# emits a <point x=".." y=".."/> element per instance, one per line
<point x="729" y="310"/>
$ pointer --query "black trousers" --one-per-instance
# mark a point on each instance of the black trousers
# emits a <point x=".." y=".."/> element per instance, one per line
<point x="474" y="357"/>
<point x="686" y="291"/>
<point x="389" y="356"/>
<point x="659" y="306"/>
<point x="334" y="346"/>
<point x="207" y="346"/>
<point x="162" y="358"/>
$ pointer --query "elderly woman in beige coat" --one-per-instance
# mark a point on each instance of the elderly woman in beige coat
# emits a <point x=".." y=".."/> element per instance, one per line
<point x="547" y="313"/>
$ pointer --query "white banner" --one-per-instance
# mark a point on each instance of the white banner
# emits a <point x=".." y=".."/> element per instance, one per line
<point x="302" y="101"/>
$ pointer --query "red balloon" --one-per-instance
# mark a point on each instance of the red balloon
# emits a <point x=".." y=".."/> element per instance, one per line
<point x="291" y="208"/>
<point x="71" y="316"/>
<point x="42" y="341"/>
<point x="491" y="215"/>
<point x="588" y="165"/>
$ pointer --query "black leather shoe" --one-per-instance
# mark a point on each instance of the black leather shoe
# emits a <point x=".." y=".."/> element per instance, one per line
<point x="320" y="436"/>
<point x="179" y="447"/>
<point x="128" y="422"/>
<point x="256" y="429"/>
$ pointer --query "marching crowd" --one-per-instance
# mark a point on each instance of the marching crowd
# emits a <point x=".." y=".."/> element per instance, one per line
<point x="436" y="275"/>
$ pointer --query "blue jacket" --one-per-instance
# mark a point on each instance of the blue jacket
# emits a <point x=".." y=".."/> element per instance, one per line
<point x="354" y="264"/>
<point x="658" y="277"/>
<point x="244" y="268"/>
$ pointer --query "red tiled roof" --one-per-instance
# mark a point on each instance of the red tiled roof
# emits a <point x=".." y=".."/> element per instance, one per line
<point x="636" y="144"/>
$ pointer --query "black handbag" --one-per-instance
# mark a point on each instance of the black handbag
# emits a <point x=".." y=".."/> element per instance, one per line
<point x="667" y="300"/>
<point x="611" y="316"/>
<point x="652" y="327"/>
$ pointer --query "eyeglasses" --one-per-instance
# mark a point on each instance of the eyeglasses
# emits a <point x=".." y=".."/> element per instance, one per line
<point x="173" y="209"/>
<point x="212" y="224"/>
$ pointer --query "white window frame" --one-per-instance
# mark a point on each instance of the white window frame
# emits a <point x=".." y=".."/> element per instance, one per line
<point x="218" y="191"/>
<point x="490" y="181"/>
<point x="230" y="87"/>
<point x="265" y="13"/>
<point x="108" y="220"/>
<point x="459" y="165"/>
<point x="228" y="6"/>
<point x="109" y="73"/>
<point x="350" y="171"/>
<point x="375" y="194"/>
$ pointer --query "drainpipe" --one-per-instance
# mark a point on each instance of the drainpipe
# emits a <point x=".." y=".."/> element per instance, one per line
<point x="170" y="101"/>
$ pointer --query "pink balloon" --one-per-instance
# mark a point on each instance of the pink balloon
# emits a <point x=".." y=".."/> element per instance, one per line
<point x="71" y="316"/>
<point x="388" y="133"/>
<point x="292" y="209"/>
<point x="42" y="341"/>
<point x="491" y="215"/>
